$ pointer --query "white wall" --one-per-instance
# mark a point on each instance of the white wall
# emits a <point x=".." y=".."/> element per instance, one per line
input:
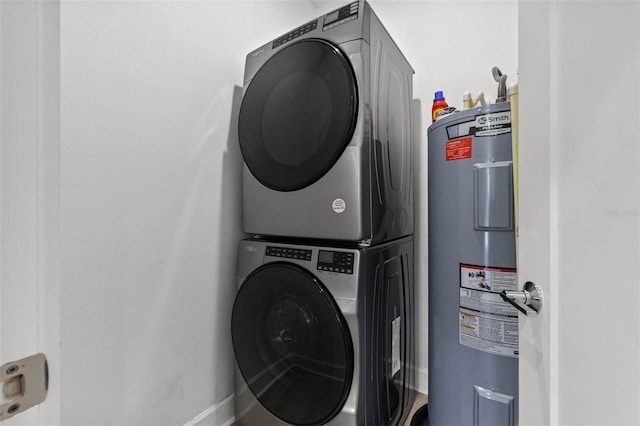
<point x="150" y="174"/>
<point x="150" y="211"/>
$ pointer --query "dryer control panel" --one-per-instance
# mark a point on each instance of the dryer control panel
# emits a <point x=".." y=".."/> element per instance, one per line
<point x="335" y="261"/>
<point x="295" y="34"/>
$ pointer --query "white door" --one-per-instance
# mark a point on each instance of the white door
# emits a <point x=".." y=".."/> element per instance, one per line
<point x="579" y="73"/>
<point x="29" y="177"/>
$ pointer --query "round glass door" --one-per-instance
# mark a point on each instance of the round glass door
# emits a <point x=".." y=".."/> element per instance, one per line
<point x="298" y="114"/>
<point x="292" y="344"/>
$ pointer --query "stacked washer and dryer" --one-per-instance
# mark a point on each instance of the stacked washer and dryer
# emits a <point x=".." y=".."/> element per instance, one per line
<point x="322" y="324"/>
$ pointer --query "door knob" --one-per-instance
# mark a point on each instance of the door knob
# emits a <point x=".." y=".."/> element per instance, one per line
<point x="528" y="301"/>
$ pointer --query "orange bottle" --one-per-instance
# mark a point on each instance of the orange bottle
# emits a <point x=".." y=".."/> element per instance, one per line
<point x="438" y="105"/>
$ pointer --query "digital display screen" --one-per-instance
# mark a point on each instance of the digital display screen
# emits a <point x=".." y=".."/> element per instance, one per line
<point x="333" y="16"/>
<point x="325" y="257"/>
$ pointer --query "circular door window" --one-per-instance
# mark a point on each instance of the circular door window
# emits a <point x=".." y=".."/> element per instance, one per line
<point x="298" y="114"/>
<point x="292" y="344"/>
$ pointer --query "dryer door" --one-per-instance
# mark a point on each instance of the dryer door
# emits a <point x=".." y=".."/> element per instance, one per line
<point x="292" y="344"/>
<point x="298" y="114"/>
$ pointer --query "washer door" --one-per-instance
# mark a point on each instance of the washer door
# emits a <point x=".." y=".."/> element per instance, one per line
<point x="298" y="115"/>
<point x="292" y="344"/>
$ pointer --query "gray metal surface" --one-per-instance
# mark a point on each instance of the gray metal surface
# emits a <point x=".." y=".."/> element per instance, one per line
<point x="471" y="223"/>
<point x="374" y="176"/>
<point x="382" y="282"/>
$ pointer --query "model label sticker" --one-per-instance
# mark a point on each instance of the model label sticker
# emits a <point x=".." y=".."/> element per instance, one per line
<point x="395" y="346"/>
<point x="488" y="323"/>
<point x="459" y="149"/>
<point x="339" y="205"/>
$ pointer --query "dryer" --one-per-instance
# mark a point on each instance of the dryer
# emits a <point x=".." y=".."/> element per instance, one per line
<point x="323" y="335"/>
<point x="325" y="132"/>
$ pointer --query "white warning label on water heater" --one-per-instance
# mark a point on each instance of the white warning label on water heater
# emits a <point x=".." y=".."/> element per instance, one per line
<point x="488" y="323"/>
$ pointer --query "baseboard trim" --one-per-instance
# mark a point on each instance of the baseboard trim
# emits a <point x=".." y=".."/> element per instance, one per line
<point x="222" y="413"/>
<point x="422" y="380"/>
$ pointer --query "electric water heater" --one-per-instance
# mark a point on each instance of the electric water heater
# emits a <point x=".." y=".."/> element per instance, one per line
<point x="473" y="333"/>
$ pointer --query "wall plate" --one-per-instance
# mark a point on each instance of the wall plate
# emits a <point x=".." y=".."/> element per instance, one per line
<point x="24" y="385"/>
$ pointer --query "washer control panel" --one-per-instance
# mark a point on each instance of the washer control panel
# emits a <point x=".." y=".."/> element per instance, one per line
<point x="341" y="16"/>
<point x="335" y="261"/>
<point x="288" y="253"/>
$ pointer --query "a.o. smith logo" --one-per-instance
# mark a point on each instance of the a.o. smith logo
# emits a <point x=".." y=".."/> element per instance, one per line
<point x="500" y="118"/>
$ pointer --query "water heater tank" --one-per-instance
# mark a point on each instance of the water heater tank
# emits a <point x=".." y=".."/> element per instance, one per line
<point x="473" y="333"/>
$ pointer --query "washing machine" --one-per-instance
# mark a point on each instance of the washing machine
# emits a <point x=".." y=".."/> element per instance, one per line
<point x="323" y="335"/>
<point x="325" y="132"/>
